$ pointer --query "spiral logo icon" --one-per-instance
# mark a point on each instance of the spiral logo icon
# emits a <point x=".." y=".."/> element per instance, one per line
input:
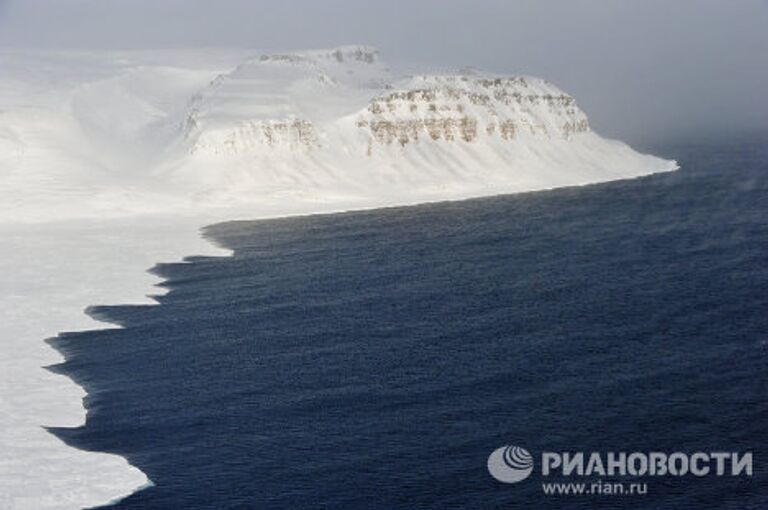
<point x="510" y="464"/>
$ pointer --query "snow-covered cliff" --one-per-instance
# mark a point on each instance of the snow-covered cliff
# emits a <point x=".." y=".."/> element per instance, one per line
<point x="340" y="121"/>
<point x="167" y="132"/>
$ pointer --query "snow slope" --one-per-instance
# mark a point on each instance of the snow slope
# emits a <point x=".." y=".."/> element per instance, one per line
<point x="110" y="163"/>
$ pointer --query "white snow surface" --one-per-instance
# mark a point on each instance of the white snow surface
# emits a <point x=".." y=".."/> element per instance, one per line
<point x="111" y="162"/>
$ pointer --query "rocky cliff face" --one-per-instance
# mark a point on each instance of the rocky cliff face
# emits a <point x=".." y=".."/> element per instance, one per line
<point x="291" y="135"/>
<point x="470" y="108"/>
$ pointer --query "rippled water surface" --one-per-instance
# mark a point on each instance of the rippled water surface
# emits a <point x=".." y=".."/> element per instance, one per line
<point x="374" y="360"/>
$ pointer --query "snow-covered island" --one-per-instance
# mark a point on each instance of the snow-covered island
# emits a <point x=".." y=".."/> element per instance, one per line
<point x="109" y="135"/>
<point x="111" y="162"/>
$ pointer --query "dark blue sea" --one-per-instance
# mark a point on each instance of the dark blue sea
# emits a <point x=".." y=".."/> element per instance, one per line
<point x="373" y="360"/>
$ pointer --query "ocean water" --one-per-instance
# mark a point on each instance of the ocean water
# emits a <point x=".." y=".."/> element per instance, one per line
<point x="374" y="360"/>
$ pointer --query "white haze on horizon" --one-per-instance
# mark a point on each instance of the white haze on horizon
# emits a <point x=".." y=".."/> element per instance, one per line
<point x="642" y="70"/>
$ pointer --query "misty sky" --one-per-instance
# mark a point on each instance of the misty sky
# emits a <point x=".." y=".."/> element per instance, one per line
<point x="640" y="69"/>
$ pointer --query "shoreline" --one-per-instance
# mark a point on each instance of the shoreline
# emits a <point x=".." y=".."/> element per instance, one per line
<point x="103" y="262"/>
<point x="100" y="262"/>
